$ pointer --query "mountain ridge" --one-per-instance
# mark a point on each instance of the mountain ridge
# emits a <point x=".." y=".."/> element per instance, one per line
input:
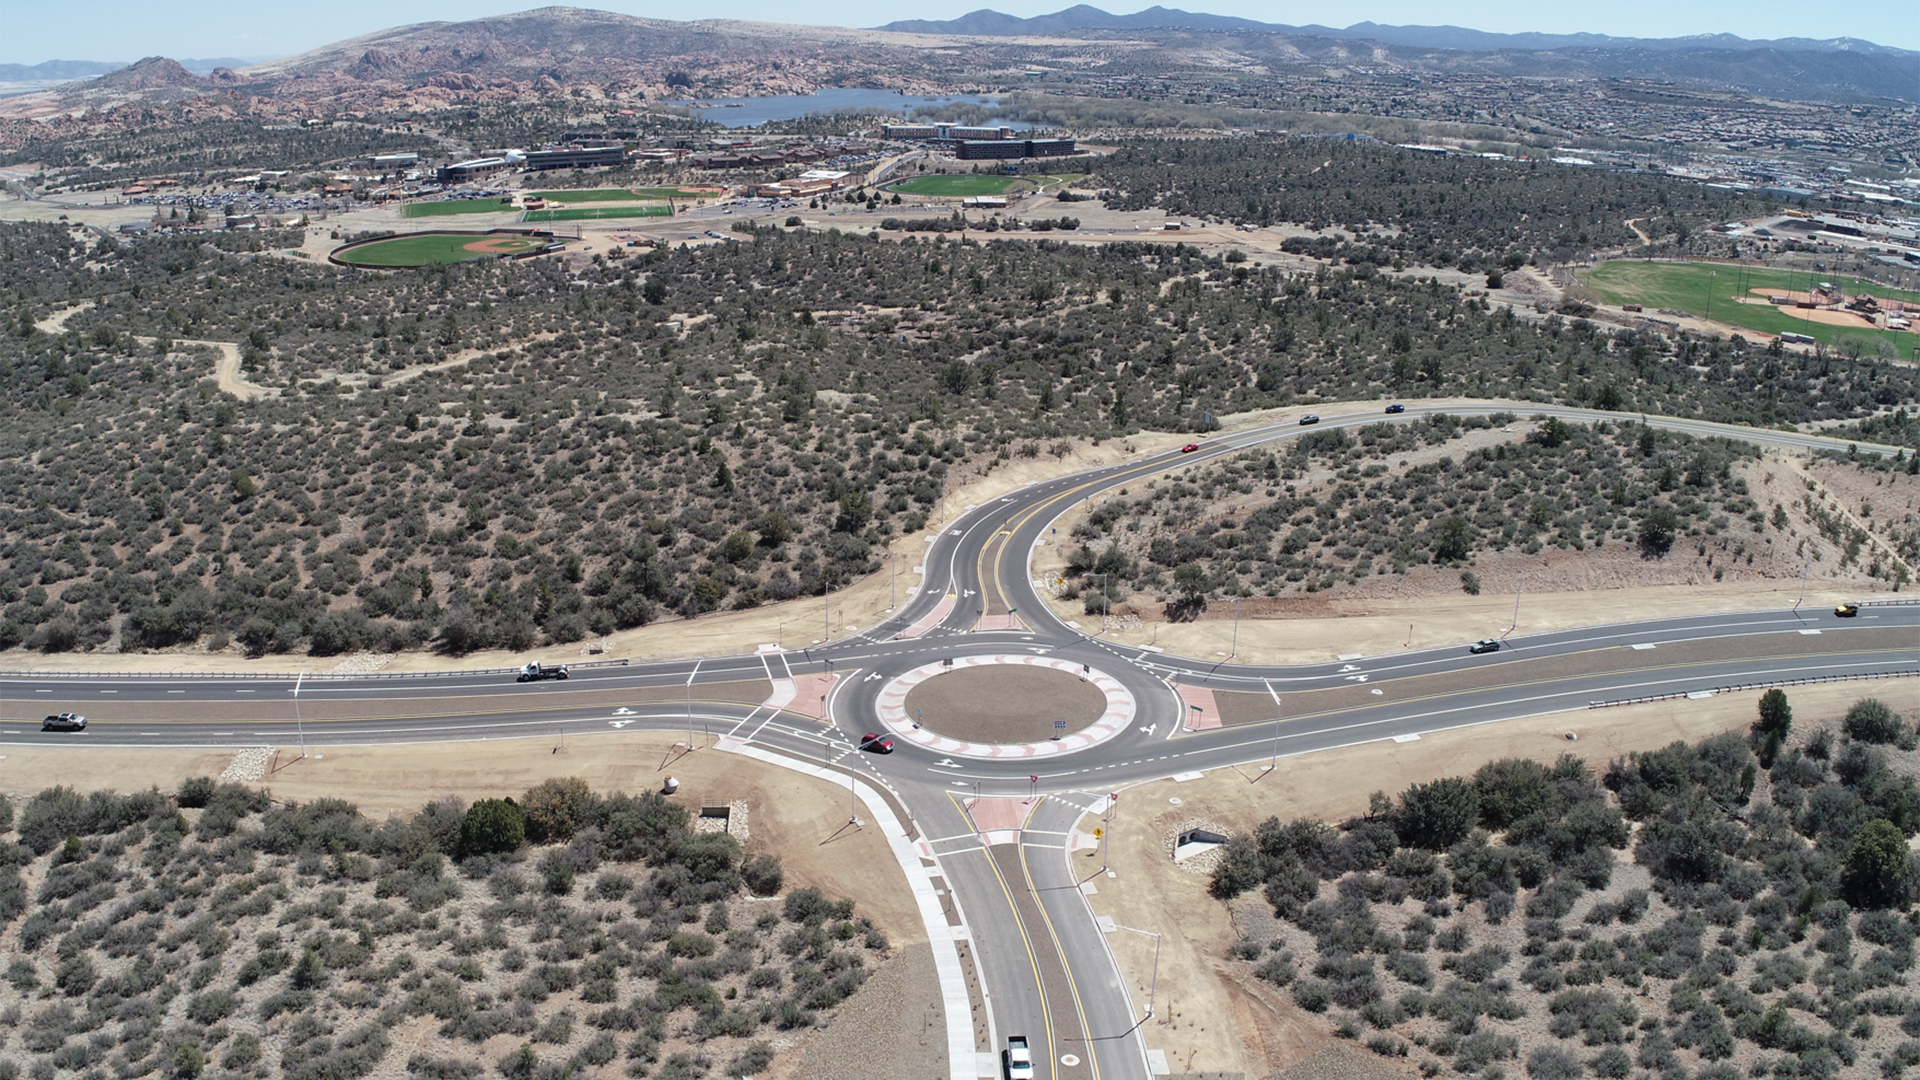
<point x="987" y="22"/>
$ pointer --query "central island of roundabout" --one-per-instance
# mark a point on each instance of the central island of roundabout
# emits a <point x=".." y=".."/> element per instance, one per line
<point x="1005" y="706"/>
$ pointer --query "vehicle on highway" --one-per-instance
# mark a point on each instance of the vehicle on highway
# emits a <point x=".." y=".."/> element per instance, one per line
<point x="1190" y="448"/>
<point x="1396" y="407"/>
<point x="1847" y="611"/>
<point x="1017" y="1058"/>
<point x="1310" y="418"/>
<point x="875" y="743"/>
<point x="534" y="672"/>
<point x="65" y="721"/>
<point x="1484" y="645"/>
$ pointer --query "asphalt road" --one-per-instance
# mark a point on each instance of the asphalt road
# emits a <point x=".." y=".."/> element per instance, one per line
<point x="1043" y="960"/>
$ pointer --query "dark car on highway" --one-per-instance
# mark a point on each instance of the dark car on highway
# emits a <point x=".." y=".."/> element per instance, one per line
<point x="65" y="721"/>
<point x="874" y="742"/>
<point x="1396" y="407"/>
<point x="1310" y="418"/>
<point x="1484" y="645"/>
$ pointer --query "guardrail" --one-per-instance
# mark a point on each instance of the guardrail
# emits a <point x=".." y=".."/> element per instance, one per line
<point x="282" y="676"/>
<point x="1886" y="603"/>
<point x="1766" y="684"/>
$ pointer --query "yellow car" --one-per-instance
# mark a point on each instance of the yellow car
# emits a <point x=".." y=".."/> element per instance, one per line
<point x="1847" y="611"/>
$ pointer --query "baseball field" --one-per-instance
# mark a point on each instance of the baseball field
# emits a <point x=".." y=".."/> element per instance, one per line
<point x="424" y="249"/>
<point x="1737" y="296"/>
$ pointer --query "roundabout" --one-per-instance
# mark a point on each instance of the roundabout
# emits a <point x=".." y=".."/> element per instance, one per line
<point x="1005" y="706"/>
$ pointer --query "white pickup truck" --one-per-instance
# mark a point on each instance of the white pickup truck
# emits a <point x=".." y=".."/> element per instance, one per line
<point x="1017" y="1058"/>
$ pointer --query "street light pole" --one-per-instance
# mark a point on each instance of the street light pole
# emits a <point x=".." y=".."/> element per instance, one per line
<point x="1516" y="602"/>
<point x="828" y="629"/>
<point x="298" y="723"/>
<point x="1105" y="602"/>
<point x="690" y="675"/>
<point x="1235" y="651"/>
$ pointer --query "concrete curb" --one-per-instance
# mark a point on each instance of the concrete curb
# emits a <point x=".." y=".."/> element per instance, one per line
<point x="958" y="1005"/>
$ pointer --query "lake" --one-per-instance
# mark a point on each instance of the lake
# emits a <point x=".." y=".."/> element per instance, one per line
<point x="748" y="112"/>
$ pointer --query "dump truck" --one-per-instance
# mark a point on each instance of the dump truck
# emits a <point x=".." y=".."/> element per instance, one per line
<point x="535" y="672"/>
<point x="1017" y="1058"/>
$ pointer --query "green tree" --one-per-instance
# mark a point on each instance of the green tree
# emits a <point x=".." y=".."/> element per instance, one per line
<point x="1876" y="869"/>
<point x="773" y="528"/>
<point x="492" y="826"/>
<point x="1770" y="730"/>
<point x="856" y="510"/>
<point x="1658" y="529"/>
<point x="1438" y="815"/>
<point x="1192" y="582"/>
<point x="187" y="1062"/>
<point x="521" y="1064"/>
<point x="1453" y="539"/>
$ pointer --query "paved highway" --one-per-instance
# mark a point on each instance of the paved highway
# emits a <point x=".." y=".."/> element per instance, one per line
<point x="1043" y="961"/>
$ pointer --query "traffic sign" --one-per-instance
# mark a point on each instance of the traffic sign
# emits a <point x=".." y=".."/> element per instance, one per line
<point x="1059" y="725"/>
<point x="1098" y="833"/>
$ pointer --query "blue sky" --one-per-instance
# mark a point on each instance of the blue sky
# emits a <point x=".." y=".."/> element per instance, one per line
<point x="130" y="29"/>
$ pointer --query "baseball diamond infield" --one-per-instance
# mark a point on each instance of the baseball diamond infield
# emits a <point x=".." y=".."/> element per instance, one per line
<point x="1005" y="706"/>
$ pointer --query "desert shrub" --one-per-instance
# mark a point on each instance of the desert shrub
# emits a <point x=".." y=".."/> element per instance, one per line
<point x="432" y="1068"/>
<point x="1482" y="1049"/>
<point x="194" y="792"/>
<point x="762" y="875"/>
<point x="1437" y="815"/>
<point x="1312" y="995"/>
<point x="322" y="827"/>
<point x="1871" y="720"/>
<point x="555" y="808"/>
<point x="492" y="826"/>
<point x="1553" y="1063"/>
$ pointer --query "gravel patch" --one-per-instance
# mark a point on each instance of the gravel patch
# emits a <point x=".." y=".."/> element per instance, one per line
<point x="1339" y="1061"/>
<point x="247" y="764"/>
<point x="734" y="824"/>
<point x="893" y="1026"/>
<point x="361" y="663"/>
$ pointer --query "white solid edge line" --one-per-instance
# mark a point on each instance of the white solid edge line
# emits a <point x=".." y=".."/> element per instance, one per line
<point x="957" y="1004"/>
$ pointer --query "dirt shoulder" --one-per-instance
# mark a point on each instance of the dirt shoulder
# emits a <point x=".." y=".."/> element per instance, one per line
<point x="790" y="815"/>
<point x="1207" y="1018"/>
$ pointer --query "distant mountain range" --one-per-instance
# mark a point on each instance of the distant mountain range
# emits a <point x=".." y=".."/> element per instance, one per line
<point x="64" y="70"/>
<point x="988" y="23"/>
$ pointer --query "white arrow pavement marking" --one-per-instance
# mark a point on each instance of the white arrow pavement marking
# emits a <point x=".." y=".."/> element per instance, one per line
<point x="1355" y="678"/>
<point x="949" y="763"/>
<point x="1149" y="728"/>
<point x="623" y="711"/>
<point x="1348" y="667"/>
<point x="871" y="677"/>
<point x="618" y="723"/>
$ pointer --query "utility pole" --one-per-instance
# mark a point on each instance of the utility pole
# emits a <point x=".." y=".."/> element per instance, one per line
<point x="1805" y="569"/>
<point x="893" y="574"/>
<point x="1516" y="602"/>
<point x="829" y="619"/>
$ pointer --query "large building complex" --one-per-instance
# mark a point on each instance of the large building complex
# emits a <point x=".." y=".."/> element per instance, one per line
<point x="979" y="143"/>
<point x="1003" y="149"/>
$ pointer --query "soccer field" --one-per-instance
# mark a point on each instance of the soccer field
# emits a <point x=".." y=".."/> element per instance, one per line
<point x="960" y="185"/>
<point x="457" y="206"/>
<point x="424" y="249"/>
<point x="1726" y="294"/>
<point x="597" y="213"/>
<point x="597" y="195"/>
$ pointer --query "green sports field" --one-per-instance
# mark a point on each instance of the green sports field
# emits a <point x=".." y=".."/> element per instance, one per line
<point x="961" y="185"/>
<point x="1696" y="287"/>
<point x="594" y="195"/>
<point x="423" y="249"/>
<point x="457" y="206"/>
<point x="597" y="213"/>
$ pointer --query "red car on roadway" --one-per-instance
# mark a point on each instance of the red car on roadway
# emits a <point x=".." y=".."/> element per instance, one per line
<point x="1190" y="448"/>
<point x="876" y="743"/>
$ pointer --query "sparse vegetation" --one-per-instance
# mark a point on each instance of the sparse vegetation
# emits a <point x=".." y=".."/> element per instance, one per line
<point x="1760" y="927"/>
<point x="294" y="940"/>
